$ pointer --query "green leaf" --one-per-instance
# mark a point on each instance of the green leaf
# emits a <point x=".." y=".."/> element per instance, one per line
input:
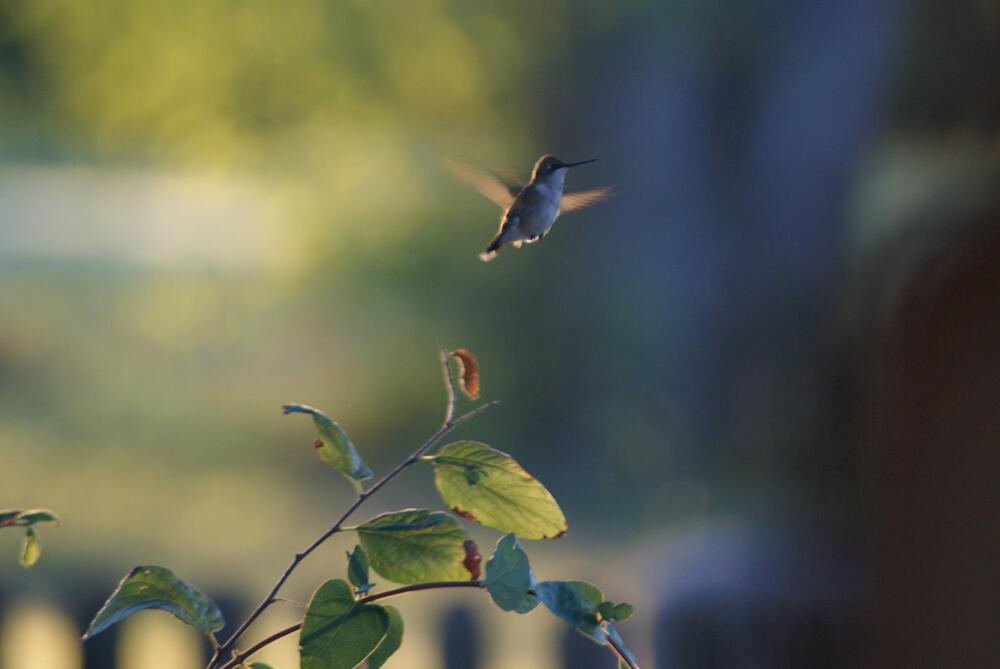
<point x="357" y="570"/>
<point x="509" y="578"/>
<point x="338" y="632"/>
<point x="613" y="634"/>
<point x="486" y="485"/>
<point x="334" y="446"/>
<point x="259" y="665"/>
<point x="415" y="546"/>
<point x="31" y="550"/>
<point x="25" y="518"/>
<point x="623" y="611"/>
<point x="576" y="602"/>
<point x="612" y="611"/>
<point x="8" y="516"/>
<point x="33" y="516"/>
<point x="152" y="587"/>
<point x="393" y="640"/>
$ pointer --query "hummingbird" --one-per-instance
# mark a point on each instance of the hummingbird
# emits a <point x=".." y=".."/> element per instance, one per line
<point x="529" y="211"/>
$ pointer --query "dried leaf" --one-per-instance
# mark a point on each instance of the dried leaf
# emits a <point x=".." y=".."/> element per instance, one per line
<point x="473" y="560"/>
<point x="468" y="368"/>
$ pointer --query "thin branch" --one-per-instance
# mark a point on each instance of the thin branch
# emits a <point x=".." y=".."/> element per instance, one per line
<point x="290" y="601"/>
<point x="240" y="657"/>
<point x="421" y="586"/>
<point x="447" y="426"/>
<point x="449" y="384"/>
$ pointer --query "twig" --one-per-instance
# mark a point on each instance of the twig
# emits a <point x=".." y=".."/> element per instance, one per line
<point x="290" y="601"/>
<point x="449" y="384"/>
<point x="240" y="657"/>
<point x="420" y="586"/>
<point x="447" y="426"/>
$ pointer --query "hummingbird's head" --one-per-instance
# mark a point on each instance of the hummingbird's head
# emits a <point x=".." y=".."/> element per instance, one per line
<point x="549" y="164"/>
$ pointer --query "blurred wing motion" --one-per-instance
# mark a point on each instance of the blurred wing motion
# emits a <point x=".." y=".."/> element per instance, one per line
<point x="492" y="187"/>
<point x="585" y="198"/>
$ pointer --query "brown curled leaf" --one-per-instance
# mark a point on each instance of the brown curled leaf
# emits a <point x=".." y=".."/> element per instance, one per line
<point x="464" y="514"/>
<point x="473" y="560"/>
<point x="468" y="368"/>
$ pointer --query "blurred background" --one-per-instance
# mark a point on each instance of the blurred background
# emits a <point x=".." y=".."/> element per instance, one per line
<point x="763" y="381"/>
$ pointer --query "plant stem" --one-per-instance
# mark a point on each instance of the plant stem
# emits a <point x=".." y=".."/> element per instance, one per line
<point x="420" y="586"/>
<point x="241" y="657"/>
<point x="449" y="385"/>
<point x="449" y="424"/>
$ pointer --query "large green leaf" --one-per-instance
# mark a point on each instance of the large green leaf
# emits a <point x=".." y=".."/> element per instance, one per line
<point x="334" y="446"/>
<point x="483" y="484"/>
<point x="576" y="602"/>
<point x="509" y="578"/>
<point x="393" y="640"/>
<point x="31" y="549"/>
<point x="416" y="546"/>
<point x="338" y="632"/>
<point x="152" y="587"/>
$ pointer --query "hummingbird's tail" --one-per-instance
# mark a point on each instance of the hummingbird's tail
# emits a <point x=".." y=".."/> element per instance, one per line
<point x="491" y="251"/>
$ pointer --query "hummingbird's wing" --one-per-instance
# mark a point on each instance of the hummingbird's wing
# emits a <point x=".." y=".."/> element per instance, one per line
<point x="491" y="186"/>
<point x="585" y="198"/>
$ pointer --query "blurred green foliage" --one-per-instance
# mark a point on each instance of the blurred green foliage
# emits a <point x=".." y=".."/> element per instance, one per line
<point x="120" y="375"/>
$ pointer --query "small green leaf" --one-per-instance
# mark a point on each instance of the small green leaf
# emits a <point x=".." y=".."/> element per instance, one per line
<point x="152" y="587"/>
<point x="25" y="518"/>
<point x="576" y="602"/>
<point x="31" y="550"/>
<point x="613" y="634"/>
<point x="334" y="446"/>
<point x="357" y="570"/>
<point x="259" y="665"/>
<point x="393" y="640"/>
<point x="338" y="632"/>
<point x="612" y="611"/>
<point x="488" y="486"/>
<point x="33" y="516"/>
<point x="509" y="578"/>
<point x="623" y="611"/>
<point x="415" y="546"/>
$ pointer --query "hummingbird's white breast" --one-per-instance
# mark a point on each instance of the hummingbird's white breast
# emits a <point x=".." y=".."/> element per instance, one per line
<point x="540" y="203"/>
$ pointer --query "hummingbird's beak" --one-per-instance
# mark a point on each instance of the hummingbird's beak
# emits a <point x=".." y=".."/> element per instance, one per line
<point x="582" y="162"/>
